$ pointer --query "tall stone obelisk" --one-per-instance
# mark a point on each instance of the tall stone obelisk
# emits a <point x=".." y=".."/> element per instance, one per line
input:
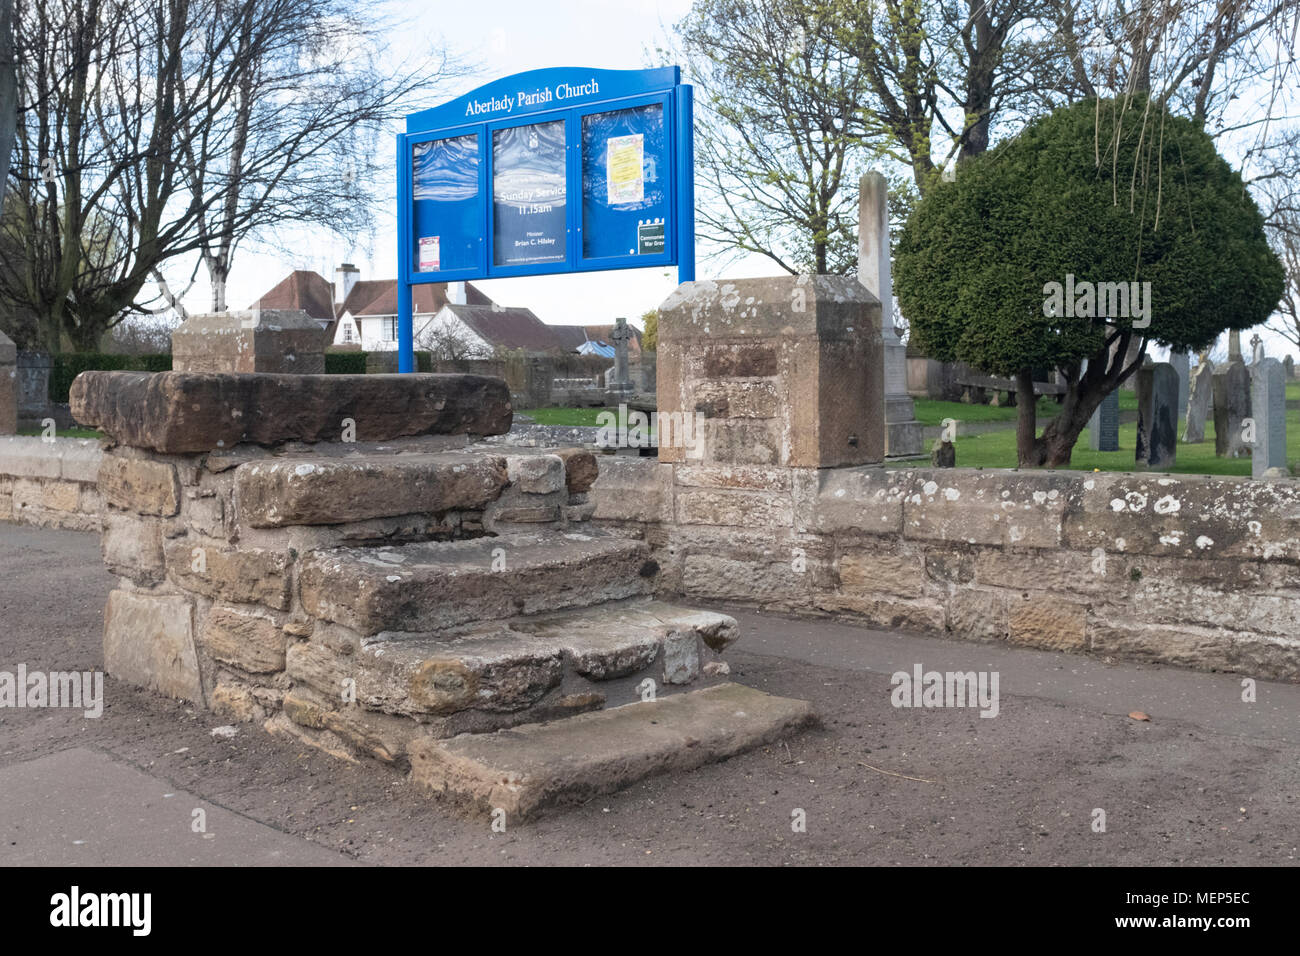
<point x="902" y="430"/>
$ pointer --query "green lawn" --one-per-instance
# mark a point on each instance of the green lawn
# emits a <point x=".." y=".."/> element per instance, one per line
<point x="564" y="416"/>
<point x="64" y="432"/>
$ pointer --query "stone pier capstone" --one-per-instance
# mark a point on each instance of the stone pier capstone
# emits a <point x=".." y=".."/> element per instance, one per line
<point x="190" y="412"/>
<point x="778" y="372"/>
<point x="262" y="340"/>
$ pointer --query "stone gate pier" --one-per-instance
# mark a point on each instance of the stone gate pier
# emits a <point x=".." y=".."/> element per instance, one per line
<point x="332" y="556"/>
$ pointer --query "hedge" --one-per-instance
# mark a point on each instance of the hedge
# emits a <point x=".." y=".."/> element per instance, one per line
<point x="68" y="365"/>
<point x="345" y="363"/>
<point x="354" y="362"/>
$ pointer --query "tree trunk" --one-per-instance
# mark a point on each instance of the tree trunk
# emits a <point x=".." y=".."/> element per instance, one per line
<point x="217" y="278"/>
<point x="1027" y="450"/>
<point x="8" y="94"/>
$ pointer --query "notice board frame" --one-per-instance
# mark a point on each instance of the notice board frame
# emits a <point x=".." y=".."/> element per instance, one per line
<point x="534" y="97"/>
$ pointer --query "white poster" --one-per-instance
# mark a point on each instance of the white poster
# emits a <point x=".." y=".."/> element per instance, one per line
<point x="430" y="254"/>
<point x="625" y="168"/>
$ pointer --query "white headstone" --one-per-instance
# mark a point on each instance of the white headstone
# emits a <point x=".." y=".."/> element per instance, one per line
<point x="902" y="431"/>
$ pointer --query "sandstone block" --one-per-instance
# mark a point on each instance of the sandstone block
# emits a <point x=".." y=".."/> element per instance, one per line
<point x="243" y="576"/>
<point x="291" y="491"/>
<point x="149" y="642"/>
<point x="252" y="642"/>
<point x="145" y="487"/>
<point x="189" y="412"/>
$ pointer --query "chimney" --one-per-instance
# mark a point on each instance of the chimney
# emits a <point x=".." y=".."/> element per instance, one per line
<point x="456" y="293"/>
<point x="345" y="277"/>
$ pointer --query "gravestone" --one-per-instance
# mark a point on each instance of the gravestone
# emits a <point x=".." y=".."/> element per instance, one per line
<point x="1268" y="403"/>
<point x="1234" y="346"/>
<point x="1231" y="407"/>
<point x="34" y="370"/>
<point x="1288" y="364"/>
<point x="1200" y="395"/>
<point x="943" y="454"/>
<point x="1256" y="349"/>
<point x="1181" y="362"/>
<point x="1157" y="432"/>
<point x="902" y="431"/>
<point x="618" y="380"/>
<point x="620" y="335"/>
<point x="1103" y="427"/>
<point x="8" y="386"/>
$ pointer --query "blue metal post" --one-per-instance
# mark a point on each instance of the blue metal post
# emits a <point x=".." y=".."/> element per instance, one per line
<point x="405" y="323"/>
<point x="685" y="183"/>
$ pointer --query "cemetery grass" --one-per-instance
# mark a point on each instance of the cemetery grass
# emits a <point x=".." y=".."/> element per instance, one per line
<point x="998" y="450"/>
<point x="64" y="432"/>
<point x="564" y="416"/>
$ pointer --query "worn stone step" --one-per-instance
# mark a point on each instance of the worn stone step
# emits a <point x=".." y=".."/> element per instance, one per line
<point x="433" y="586"/>
<point x="491" y="677"/>
<point x="531" y="768"/>
<point x="277" y="492"/>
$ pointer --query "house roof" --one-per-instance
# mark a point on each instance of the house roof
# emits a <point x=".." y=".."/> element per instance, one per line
<point x="314" y="294"/>
<point x="508" y="328"/>
<point x="603" y="334"/>
<point x="572" y="337"/>
<point x="301" y="289"/>
<point x="379" y="297"/>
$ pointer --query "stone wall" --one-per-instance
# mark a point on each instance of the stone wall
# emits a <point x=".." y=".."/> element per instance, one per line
<point x="1190" y="570"/>
<point x="51" y="483"/>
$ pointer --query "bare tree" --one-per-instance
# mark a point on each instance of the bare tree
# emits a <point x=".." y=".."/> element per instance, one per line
<point x="144" y="135"/>
<point x="1285" y="233"/>
<point x="299" y="144"/>
<point x="778" y="131"/>
<point x="449" y="342"/>
<point x="8" y="94"/>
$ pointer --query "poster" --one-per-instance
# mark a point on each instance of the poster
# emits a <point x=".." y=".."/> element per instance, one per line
<point x="650" y="238"/>
<point x="430" y="255"/>
<point x="625" y="159"/>
<point x="529" y="180"/>
<point x="447" y="213"/>
<point x="625" y="183"/>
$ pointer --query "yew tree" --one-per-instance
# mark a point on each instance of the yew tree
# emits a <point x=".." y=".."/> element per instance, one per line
<point x="1101" y="196"/>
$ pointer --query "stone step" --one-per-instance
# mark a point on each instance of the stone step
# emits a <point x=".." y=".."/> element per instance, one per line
<point x="278" y="492"/>
<point x="526" y="770"/>
<point x="315" y="489"/>
<point x="433" y="586"/>
<point x="521" y="671"/>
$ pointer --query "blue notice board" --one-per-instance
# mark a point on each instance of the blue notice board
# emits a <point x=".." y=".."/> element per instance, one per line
<point x="559" y="170"/>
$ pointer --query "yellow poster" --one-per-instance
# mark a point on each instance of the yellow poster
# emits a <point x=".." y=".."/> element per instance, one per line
<point x="624" y="169"/>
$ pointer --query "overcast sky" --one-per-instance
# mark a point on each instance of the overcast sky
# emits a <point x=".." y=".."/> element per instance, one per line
<point x="501" y="37"/>
<point x="504" y="37"/>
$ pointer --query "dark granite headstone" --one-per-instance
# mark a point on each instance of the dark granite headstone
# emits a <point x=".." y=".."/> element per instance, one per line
<point x="1103" y="427"/>
<point x="1157" y="433"/>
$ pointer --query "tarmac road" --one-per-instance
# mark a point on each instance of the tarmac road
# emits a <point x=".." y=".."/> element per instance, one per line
<point x="1208" y="780"/>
